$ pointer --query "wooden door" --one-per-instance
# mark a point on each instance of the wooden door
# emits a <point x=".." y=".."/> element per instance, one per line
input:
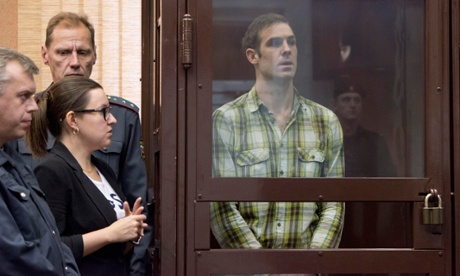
<point x="400" y="58"/>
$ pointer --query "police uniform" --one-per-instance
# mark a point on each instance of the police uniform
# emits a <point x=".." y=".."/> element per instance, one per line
<point x="124" y="155"/>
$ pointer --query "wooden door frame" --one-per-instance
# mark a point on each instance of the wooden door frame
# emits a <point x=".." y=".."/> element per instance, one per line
<point x="455" y="33"/>
<point x="170" y="128"/>
<point x="160" y="97"/>
<point x="438" y="166"/>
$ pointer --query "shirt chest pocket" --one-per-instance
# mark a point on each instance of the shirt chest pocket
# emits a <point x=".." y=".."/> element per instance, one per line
<point x="310" y="154"/>
<point x="25" y="213"/>
<point x="310" y="161"/>
<point x="253" y="163"/>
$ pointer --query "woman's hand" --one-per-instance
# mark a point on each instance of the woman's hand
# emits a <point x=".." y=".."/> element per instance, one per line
<point x="131" y="227"/>
<point x="137" y="210"/>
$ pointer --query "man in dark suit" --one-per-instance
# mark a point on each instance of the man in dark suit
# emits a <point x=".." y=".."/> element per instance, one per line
<point x="70" y="50"/>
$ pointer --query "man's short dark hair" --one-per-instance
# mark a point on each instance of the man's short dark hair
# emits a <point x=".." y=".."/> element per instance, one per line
<point x="251" y="38"/>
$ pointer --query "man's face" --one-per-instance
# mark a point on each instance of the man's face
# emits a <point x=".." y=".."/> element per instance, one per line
<point x="16" y="103"/>
<point x="278" y="53"/>
<point x="70" y="52"/>
<point x="348" y="106"/>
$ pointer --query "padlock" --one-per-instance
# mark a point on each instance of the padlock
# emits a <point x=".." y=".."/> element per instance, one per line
<point x="433" y="214"/>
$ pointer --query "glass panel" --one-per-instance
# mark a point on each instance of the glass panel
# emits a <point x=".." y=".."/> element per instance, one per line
<point x="366" y="224"/>
<point x="373" y="48"/>
<point x="364" y="60"/>
<point x="377" y="225"/>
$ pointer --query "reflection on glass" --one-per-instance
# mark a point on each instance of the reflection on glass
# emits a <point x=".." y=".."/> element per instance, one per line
<point x="349" y="56"/>
<point x="366" y="151"/>
<point x="365" y="41"/>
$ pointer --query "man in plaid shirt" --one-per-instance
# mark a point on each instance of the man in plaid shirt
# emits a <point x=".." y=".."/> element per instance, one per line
<point x="273" y="131"/>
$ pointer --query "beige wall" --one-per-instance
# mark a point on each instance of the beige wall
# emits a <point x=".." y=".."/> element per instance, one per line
<point x="9" y="23"/>
<point x="118" y="39"/>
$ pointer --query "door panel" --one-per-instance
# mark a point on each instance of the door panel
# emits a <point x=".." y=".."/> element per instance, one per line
<point x="387" y="262"/>
<point x="402" y="67"/>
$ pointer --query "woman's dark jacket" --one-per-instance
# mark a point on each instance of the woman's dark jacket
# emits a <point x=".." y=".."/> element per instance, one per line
<point x="79" y="207"/>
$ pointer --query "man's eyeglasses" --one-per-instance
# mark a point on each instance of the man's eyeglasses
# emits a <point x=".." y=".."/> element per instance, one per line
<point x="106" y="111"/>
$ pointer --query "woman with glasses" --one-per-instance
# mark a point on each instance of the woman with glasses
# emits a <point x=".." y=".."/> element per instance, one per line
<point x="91" y="213"/>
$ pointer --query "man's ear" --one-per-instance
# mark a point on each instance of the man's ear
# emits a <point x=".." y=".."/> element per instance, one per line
<point x="44" y="55"/>
<point x="252" y="56"/>
<point x="95" y="55"/>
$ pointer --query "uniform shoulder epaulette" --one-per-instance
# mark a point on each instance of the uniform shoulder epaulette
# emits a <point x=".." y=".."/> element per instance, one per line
<point x="123" y="102"/>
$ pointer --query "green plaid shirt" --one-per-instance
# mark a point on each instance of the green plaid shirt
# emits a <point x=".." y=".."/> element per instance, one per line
<point x="247" y="142"/>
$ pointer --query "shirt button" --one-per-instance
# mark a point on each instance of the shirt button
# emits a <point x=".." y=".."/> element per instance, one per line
<point x="66" y="268"/>
<point x="23" y="195"/>
<point x="54" y="233"/>
<point x="281" y="172"/>
<point x="279" y="224"/>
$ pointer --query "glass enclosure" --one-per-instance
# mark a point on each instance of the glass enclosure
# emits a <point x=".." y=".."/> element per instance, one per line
<point x="378" y="46"/>
<point x="364" y="60"/>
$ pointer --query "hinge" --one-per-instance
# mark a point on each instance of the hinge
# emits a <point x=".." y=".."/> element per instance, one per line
<point x="187" y="36"/>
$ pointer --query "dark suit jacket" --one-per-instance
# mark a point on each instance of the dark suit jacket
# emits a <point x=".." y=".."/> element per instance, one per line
<point x="79" y="207"/>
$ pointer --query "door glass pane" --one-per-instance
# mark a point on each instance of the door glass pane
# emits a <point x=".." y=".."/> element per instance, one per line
<point x="363" y="60"/>
<point x="374" y="49"/>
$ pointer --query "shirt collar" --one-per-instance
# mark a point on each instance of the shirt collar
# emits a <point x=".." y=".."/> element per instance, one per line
<point x="254" y="102"/>
<point x="6" y="156"/>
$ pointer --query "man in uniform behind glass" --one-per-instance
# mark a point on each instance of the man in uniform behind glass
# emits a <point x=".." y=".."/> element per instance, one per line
<point x="70" y="50"/>
<point x="366" y="152"/>
<point x="368" y="224"/>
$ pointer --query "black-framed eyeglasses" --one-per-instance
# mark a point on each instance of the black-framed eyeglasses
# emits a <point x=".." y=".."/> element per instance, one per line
<point x="106" y="111"/>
